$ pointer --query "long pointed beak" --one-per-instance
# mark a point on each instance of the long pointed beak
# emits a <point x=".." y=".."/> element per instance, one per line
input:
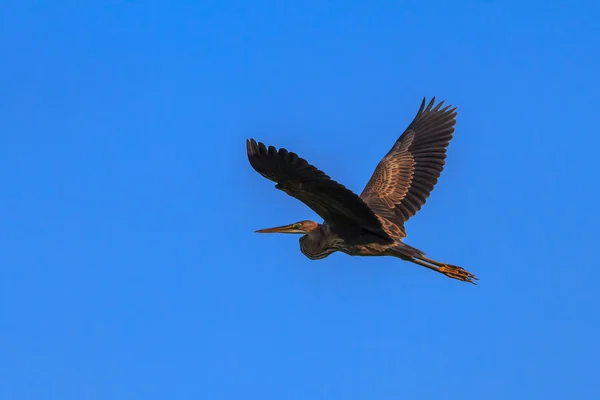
<point x="292" y="228"/>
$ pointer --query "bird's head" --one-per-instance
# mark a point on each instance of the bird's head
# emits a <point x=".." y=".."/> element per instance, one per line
<point x="297" y="227"/>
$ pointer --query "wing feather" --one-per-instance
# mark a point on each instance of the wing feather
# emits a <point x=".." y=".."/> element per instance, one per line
<point x="405" y="177"/>
<point x="344" y="211"/>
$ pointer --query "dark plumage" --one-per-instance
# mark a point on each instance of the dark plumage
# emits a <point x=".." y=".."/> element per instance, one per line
<point x="346" y="213"/>
<point x="372" y="223"/>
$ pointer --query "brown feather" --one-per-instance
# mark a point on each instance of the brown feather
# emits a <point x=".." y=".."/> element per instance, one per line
<point x="405" y="177"/>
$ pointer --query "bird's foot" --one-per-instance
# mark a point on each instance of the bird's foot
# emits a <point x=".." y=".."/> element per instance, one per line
<point x="459" y="273"/>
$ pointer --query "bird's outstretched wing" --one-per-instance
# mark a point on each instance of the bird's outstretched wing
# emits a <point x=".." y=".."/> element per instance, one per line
<point x="345" y="212"/>
<point x="405" y="177"/>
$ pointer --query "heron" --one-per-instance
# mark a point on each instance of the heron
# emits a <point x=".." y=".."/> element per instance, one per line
<point x="371" y="224"/>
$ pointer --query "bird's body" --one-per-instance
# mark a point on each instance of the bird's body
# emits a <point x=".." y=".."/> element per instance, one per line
<point x="371" y="224"/>
<point x="321" y="242"/>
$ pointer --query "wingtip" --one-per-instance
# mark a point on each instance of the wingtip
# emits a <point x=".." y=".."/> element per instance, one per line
<point x="423" y="107"/>
<point x="430" y="106"/>
<point x="251" y="146"/>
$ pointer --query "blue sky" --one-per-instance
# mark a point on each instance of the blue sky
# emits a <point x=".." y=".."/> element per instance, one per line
<point x="130" y="269"/>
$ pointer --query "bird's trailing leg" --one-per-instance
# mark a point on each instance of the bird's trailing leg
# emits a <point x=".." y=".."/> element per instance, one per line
<point x="451" y="271"/>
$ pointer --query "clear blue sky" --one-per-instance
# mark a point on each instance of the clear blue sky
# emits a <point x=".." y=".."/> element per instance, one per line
<point x="130" y="266"/>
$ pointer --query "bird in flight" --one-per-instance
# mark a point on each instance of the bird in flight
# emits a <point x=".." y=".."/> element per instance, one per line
<point x="371" y="224"/>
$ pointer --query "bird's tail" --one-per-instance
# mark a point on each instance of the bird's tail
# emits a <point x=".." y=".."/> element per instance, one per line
<point x="409" y="253"/>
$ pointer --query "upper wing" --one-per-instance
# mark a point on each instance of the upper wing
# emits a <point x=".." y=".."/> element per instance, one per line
<point x="406" y="176"/>
<point x="345" y="212"/>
